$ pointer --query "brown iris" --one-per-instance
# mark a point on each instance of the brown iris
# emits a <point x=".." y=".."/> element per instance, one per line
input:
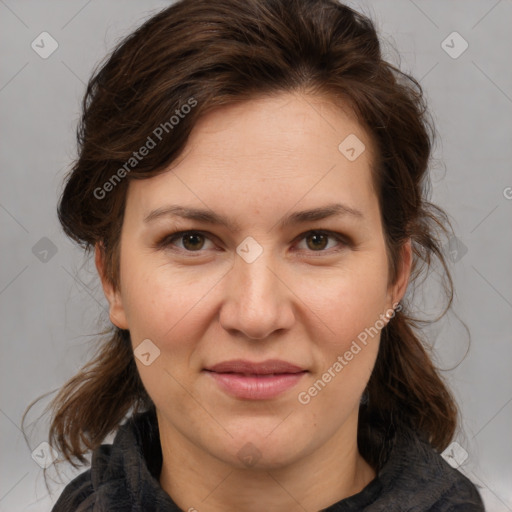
<point x="193" y="241"/>
<point x="319" y="241"/>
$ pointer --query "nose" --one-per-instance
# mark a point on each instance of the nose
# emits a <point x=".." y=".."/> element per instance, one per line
<point x="258" y="301"/>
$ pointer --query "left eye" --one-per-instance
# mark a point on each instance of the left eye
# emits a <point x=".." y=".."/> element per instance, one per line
<point x="318" y="241"/>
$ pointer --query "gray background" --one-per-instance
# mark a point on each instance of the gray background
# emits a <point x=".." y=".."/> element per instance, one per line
<point x="50" y="302"/>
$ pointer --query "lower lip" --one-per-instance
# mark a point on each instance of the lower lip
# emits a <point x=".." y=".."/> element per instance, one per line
<point x="256" y="387"/>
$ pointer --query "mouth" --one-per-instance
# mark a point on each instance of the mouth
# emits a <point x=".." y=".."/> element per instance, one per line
<point x="255" y="381"/>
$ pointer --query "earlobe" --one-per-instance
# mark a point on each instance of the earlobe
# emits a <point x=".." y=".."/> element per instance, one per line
<point x="112" y="294"/>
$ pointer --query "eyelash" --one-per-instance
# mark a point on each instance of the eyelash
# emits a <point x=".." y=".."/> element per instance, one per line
<point x="167" y="241"/>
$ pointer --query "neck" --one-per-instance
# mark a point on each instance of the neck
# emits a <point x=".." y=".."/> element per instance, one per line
<point x="197" y="481"/>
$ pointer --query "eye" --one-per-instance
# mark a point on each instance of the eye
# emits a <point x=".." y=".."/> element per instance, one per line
<point x="317" y="241"/>
<point x="192" y="241"/>
<point x="195" y="241"/>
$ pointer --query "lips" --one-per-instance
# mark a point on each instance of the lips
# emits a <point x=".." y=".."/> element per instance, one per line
<point x="271" y="366"/>
<point x="255" y="381"/>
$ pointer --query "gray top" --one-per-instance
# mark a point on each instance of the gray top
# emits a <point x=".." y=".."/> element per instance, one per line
<point x="124" y="477"/>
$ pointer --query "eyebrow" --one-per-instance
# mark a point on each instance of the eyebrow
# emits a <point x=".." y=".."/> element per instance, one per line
<point x="210" y="217"/>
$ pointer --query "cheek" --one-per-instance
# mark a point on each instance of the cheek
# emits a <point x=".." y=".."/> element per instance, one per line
<point x="346" y="302"/>
<point x="349" y="307"/>
<point x="168" y="306"/>
<point x="160" y="302"/>
<point x="163" y="305"/>
<point x="345" y="357"/>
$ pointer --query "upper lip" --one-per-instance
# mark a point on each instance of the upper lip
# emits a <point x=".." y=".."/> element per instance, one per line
<point x="263" y="368"/>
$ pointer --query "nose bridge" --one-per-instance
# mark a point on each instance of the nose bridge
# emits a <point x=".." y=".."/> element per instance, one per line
<point x="258" y="281"/>
<point x="256" y="302"/>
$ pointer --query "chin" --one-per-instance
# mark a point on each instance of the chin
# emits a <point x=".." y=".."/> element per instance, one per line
<point x="256" y="449"/>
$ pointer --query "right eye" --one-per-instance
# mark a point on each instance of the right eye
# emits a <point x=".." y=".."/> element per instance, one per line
<point x="191" y="241"/>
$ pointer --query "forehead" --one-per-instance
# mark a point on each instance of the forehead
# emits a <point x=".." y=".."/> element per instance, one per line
<point x="287" y="148"/>
<point x="286" y="126"/>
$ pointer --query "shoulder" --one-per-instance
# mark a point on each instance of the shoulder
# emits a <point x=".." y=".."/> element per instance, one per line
<point x="77" y="496"/>
<point x="105" y="485"/>
<point x="81" y="494"/>
<point x="90" y="488"/>
<point x="123" y="475"/>
<point x="416" y="475"/>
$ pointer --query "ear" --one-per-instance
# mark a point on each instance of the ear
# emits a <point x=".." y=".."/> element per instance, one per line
<point x="398" y="288"/>
<point x="113" y="295"/>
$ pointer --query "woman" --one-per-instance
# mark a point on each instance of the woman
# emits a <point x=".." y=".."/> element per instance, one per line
<point x="253" y="179"/>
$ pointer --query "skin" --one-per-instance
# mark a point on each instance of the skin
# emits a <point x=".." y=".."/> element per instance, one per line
<point x="303" y="300"/>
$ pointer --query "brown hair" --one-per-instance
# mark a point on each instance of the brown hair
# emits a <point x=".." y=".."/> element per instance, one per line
<point x="208" y="54"/>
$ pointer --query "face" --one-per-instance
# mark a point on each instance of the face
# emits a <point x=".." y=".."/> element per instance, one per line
<point x="287" y="262"/>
